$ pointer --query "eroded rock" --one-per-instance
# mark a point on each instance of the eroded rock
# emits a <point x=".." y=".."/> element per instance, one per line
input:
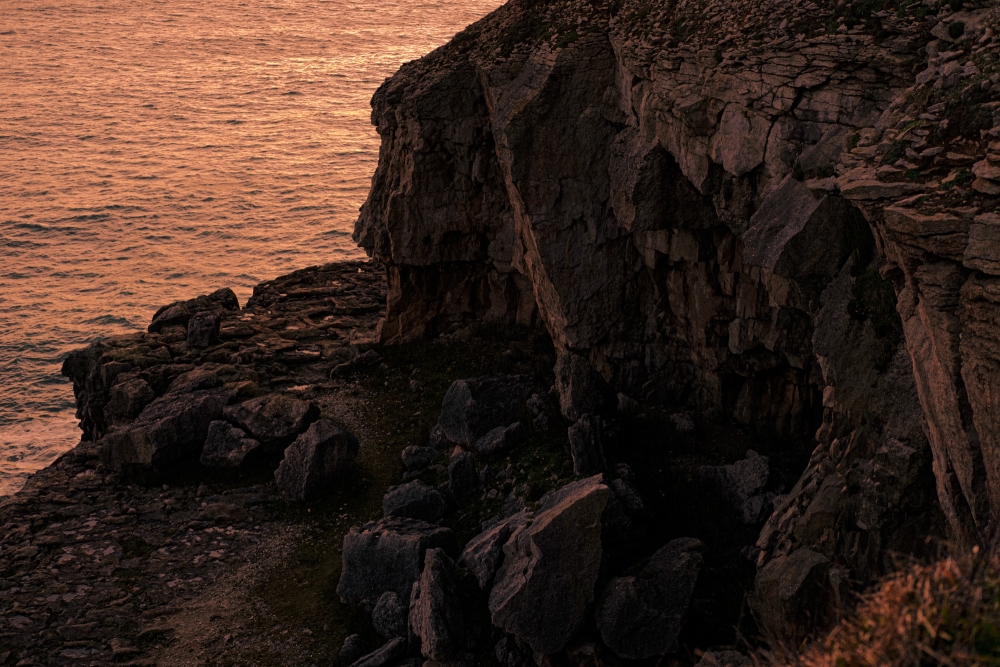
<point x="316" y="461"/>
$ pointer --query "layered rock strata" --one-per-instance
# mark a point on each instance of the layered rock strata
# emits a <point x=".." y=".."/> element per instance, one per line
<point x="776" y="213"/>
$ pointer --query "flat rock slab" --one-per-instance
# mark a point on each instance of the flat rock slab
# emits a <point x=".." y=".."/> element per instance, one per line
<point x="274" y="420"/>
<point x="387" y="555"/>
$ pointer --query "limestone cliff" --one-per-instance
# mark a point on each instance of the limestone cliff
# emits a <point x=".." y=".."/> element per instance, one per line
<point x="777" y="212"/>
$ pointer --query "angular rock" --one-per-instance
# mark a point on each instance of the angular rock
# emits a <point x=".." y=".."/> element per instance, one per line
<point x="180" y="312"/>
<point x="353" y="649"/>
<point x="387" y="555"/>
<point x="586" y="446"/>
<point x="742" y="485"/>
<point x="391" y="650"/>
<point x="415" y="500"/>
<point x="542" y="410"/>
<point x="199" y="378"/>
<point x="463" y="478"/>
<point x="274" y="420"/>
<point x="582" y="390"/>
<point x="549" y="570"/>
<point x="226" y="446"/>
<point x="436" y="614"/>
<point x="641" y="616"/>
<point x="473" y="407"/>
<point x="127" y="400"/>
<point x="790" y="595"/>
<point x="316" y="461"/>
<point x="389" y="617"/>
<point x="417" y="458"/>
<point x="500" y="439"/>
<point x="484" y="553"/>
<point x="203" y="329"/>
<point x="166" y="430"/>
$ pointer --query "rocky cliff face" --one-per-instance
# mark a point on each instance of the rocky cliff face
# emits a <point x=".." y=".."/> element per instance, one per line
<point x="780" y="213"/>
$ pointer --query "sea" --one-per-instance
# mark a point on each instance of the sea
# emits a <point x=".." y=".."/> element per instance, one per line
<point x="155" y="150"/>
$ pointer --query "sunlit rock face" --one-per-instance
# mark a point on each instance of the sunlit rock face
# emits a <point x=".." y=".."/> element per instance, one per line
<point x="780" y="213"/>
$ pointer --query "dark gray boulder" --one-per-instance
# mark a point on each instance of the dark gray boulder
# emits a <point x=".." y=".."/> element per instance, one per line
<point x="641" y="616"/>
<point x="463" y="478"/>
<point x="417" y="458"/>
<point x="274" y="419"/>
<point x="415" y="500"/>
<point x="500" y="439"/>
<point x="387" y="555"/>
<point x="742" y="484"/>
<point x="389" y="617"/>
<point x="473" y="407"/>
<point x="550" y="567"/>
<point x="316" y="461"/>
<point x="166" y="430"/>
<point x="586" y="445"/>
<point x="387" y="653"/>
<point x="581" y="389"/>
<point x="484" y="553"/>
<point x="203" y="329"/>
<point x="127" y="400"/>
<point x="436" y="615"/>
<point x="791" y="594"/>
<point x="226" y="446"/>
<point x="179" y="313"/>
<point x="353" y="649"/>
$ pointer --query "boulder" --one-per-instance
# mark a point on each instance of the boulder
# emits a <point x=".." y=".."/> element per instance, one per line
<point x="226" y="446"/>
<point x="166" y="430"/>
<point x="415" y="500"/>
<point x="180" y="313"/>
<point x="473" y="407"/>
<point x="484" y="553"/>
<point x="274" y="420"/>
<point x="315" y="461"/>
<point x="436" y="615"/>
<point x="203" y="329"/>
<point x="353" y="649"/>
<point x="388" y="652"/>
<point x="581" y="389"/>
<point x="546" y="581"/>
<point x="127" y="400"/>
<point x="500" y="439"/>
<point x="790" y="595"/>
<point x="586" y="446"/>
<point x="193" y="380"/>
<point x="742" y="485"/>
<point x="387" y="555"/>
<point x="641" y="616"/>
<point x="417" y="458"/>
<point x="463" y="478"/>
<point x="389" y="617"/>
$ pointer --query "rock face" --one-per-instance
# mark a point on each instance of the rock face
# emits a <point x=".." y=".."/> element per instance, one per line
<point x="546" y="581"/>
<point x="387" y="555"/>
<point x="781" y="222"/>
<point x="641" y="616"/>
<point x="436" y="615"/>
<point x="315" y="461"/>
<point x="471" y="408"/>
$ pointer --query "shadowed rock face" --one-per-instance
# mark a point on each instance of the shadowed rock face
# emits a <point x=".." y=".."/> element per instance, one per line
<point x="754" y="218"/>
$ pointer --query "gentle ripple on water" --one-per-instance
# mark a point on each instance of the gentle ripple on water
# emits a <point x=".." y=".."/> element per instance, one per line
<point x="152" y="151"/>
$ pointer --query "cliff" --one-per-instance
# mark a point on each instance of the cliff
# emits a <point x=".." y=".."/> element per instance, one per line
<point x="779" y="214"/>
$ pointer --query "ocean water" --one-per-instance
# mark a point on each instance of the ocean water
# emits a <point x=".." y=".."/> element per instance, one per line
<point x="152" y="150"/>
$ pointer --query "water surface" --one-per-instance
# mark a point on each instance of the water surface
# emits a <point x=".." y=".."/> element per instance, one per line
<point x="154" y="150"/>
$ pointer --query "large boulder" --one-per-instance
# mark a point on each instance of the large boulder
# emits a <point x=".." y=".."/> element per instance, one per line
<point x="226" y="446"/>
<point x="546" y="581"/>
<point x="791" y="595"/>
<point x="274" y="420"/>
<point x="473" y="407"/>
<point x="742" y="484"/>
<point x="180" y="313"/>
<point x="415" y="500"/>
<point x="315" y="461"/>
<point x="436" y="615"/>
<point x="641" y="616"/>
<point x="166" y="430"/>
<point x="387" y="555"/>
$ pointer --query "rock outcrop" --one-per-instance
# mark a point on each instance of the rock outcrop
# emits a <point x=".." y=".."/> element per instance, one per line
<point x="780" y="214"/>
